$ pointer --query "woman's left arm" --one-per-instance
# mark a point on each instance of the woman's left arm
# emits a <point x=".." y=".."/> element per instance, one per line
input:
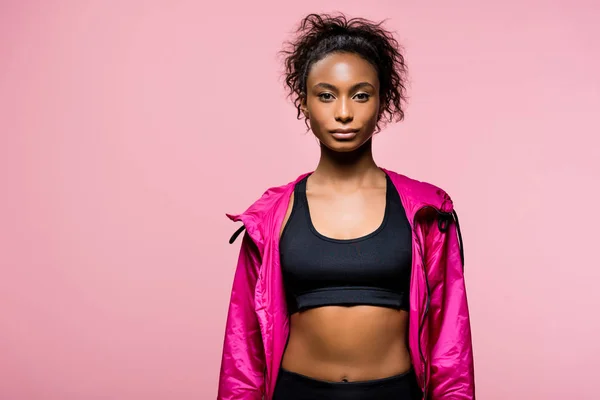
<point x="450" y="345"/>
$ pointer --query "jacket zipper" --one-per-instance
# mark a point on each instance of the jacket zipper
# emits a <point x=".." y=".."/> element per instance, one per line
<point x="427" y="301"/>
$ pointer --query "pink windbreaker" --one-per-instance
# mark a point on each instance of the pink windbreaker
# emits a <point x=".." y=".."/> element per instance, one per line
<point x="439" y="330"/>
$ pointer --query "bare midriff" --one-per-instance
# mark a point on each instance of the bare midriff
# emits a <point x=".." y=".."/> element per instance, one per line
<point x="339" y="343"/>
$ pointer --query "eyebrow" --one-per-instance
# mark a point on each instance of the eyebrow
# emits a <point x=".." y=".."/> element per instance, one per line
<point x="353" y="88"/>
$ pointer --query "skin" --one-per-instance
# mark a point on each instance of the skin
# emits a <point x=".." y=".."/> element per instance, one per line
<point x="346" y="196"/>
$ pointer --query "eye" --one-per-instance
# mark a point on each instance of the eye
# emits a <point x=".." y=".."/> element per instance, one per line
<point x="325" y="96"/>
<point x="362" y="96"/>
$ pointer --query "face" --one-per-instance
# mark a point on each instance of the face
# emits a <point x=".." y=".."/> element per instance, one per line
<point x="342" y="101"/>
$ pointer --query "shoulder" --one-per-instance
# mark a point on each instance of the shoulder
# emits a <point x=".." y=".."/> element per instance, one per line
<point x="258" y="216"/>
<point x="273" y="196"/>
<point x="421" y="193"/>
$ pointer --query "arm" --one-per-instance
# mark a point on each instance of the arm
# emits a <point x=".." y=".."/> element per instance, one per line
<point x="450" y="349"/>
<point x="243" y="362"/>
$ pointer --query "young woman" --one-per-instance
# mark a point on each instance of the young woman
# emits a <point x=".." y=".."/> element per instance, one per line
<point x="349" y="283"/>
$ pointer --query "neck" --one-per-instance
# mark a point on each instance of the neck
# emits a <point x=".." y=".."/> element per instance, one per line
<point x="350" y="168"/>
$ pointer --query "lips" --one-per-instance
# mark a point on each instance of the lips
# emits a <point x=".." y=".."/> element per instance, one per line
<point x="344" y="134"/>
<point x="344" y="130"/>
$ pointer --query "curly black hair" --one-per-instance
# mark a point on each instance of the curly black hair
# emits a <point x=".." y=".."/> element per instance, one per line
<point x="319" y="35"/>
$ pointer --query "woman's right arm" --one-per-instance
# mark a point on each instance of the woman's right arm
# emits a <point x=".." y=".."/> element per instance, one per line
<point x="243" y="361"/>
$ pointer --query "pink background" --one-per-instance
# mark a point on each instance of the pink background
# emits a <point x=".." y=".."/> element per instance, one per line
<point x="128" y="129"/>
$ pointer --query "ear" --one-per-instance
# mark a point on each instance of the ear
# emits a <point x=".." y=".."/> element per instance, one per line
<point x="303" y="106"/>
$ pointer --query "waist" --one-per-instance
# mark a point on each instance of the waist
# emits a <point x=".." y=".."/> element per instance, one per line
<point x="285" y="374"/>
<point x="292" y="385"/>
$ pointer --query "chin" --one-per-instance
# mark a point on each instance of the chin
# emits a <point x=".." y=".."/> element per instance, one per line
<point x="343" y="146"/>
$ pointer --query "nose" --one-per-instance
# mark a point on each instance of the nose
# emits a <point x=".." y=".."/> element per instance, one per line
<point x="343" y="111"/>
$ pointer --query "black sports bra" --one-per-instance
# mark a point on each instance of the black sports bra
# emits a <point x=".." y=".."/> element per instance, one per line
<point x="374" y="269"/>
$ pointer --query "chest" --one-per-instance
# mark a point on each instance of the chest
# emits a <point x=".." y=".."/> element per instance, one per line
<point x="346" y="216"/>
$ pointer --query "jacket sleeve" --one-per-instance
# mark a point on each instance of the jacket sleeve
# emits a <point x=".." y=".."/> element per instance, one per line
<point x="243" y="362"/>
<point x="450" y="346"/>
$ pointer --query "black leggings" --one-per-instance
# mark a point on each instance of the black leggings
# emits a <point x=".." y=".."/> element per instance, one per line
<point x="294" y="386"/>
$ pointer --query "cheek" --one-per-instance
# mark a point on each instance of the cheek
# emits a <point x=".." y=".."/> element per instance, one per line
<point x="319" y="113"/>
<point x="369" y="111"/>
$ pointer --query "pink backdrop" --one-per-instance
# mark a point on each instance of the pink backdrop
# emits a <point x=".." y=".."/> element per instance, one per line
<point x="128" y="129"/>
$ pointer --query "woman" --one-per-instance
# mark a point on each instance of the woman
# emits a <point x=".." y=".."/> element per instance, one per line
<point x="349" y="283"/>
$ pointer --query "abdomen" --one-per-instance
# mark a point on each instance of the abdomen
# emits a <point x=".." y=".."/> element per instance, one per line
<point x="356" y="343"/>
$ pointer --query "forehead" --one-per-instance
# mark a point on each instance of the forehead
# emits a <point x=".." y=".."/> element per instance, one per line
<point x="342" y="69"/>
